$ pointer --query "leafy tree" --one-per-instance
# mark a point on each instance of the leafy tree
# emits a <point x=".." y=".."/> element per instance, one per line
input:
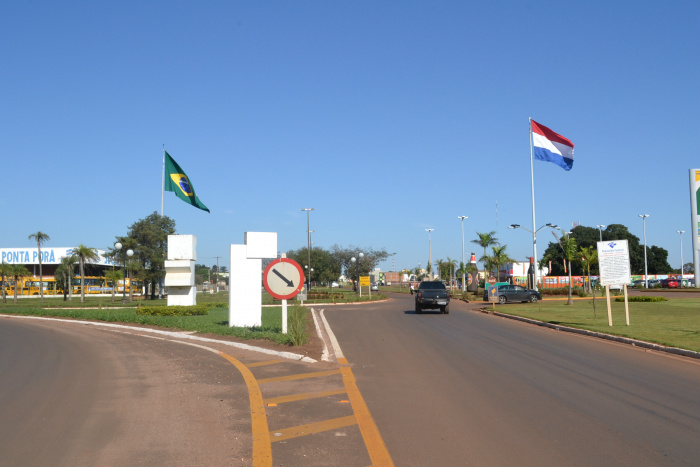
<point x="688" y="268"/>
<point x="84" y="254"/>
<point x="363" y="265"/>
<point x="40" y="238"/>
<point x="589" y="256"/>
<point x="148" y="238"/>
<point x="17" y="271"/>
<point x="485" y="240"/>
<point x="326" y="266"/>
<point x="657" y="258"/>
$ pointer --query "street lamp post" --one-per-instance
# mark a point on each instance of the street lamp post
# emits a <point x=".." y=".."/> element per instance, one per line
<point x="680" y="233"/>
<point x="534" y="240"/>
<point x="430" y="249"/>
<point x="600" y="229"/>
<point x="126" y="253"/>
<point x="308" y="248"/>
<point x="644" y="225"/>
<point x="463" y="265"/>
<point x="356" y="262"/>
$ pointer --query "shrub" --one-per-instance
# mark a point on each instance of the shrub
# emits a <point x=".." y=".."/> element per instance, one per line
<point x="643" y="298"/>
<point x="296" y="325"/>
<point x="195" y="310"/>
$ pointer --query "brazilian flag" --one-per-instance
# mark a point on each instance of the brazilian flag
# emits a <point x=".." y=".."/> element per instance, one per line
<point x="176" y="180"/>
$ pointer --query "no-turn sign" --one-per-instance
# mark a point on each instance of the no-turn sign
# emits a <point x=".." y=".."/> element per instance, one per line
<point x="283" y="278"/>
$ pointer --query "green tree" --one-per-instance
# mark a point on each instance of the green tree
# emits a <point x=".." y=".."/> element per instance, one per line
<point x="40" y="238"/>
<point x="148" y="238"/>
<point x="17" y="271"/>
<point x="114" y="276"/>
<point x="84" y="254"/>
<point x="64" y="276"/>
<point x="5" y="270"/>
<point x="589" y="256"/>
<point x="326" y="266"/>
<point x="498" y="258"/>
<point x="485" y="240"/>
<point x="363" y="265"/>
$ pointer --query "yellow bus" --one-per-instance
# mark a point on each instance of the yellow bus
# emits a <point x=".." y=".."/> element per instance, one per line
<point x="93" y="285"/>
<point x="30" y="286"/>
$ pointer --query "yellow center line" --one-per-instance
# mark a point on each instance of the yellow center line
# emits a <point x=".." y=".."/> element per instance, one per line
<point x="376" y="448"/>
<point x="299" y="376"/>
<point x="311" y="428"/>
<point x="262" y="448"/>
<point x="304" y="396"/>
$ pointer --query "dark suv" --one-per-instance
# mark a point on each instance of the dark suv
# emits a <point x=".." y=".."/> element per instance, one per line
<point x="514" y="293"/>
<point x="432" y="295"/>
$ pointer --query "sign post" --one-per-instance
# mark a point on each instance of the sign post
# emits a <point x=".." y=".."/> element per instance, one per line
<point x="614" y="261"/>
<point x="492" y="291"/>
<point x="283" y="279"/>
<point x="364" y="281"/>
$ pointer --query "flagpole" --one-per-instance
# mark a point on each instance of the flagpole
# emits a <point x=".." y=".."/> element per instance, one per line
<point x="162" y="185"/>
<point x="534" y="227"/>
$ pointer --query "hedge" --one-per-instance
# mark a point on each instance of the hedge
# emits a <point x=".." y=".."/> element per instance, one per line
<point x="644" y="298"/>
<point x="176" y="310"/>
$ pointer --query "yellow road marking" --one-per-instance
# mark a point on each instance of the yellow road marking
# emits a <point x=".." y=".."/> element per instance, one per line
<point x="304" y="396"/>
<point x="311" y="428"/>
<point x="267" y="362"/>
<point x="376" y="448"/>
<point x="299" y="376"/>
<point x="262" y="448"/>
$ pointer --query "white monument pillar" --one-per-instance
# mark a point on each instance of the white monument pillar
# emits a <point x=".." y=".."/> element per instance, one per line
<point x="245" y="278"/>
<point x="179" y="270"/>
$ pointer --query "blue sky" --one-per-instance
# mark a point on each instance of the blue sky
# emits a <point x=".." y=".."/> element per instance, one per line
<point x="387" y="118"/>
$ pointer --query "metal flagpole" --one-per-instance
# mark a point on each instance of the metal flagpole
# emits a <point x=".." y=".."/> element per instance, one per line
<point x="534" y="227"/>
<point x="162" y="185"/>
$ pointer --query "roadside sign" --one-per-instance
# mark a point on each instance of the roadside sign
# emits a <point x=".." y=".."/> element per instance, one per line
<point x="283" y="278"/>
<point x="493" y="293"/>
<point x="364" y="281"/>
<point x="492" y="280"/>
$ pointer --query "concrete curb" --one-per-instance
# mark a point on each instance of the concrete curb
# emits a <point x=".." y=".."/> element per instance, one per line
<point x="600" y="335"/>
<point x="173" y="334"/>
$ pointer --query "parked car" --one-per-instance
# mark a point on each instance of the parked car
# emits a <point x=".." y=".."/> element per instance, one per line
<point x="334" y="284"/>
<point x="515" y="293"/>
<point x="374" y="287"/>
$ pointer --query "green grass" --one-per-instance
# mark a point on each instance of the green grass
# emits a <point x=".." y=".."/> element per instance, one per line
<point x="674" y="323"/>
<point x="216" y="322"/>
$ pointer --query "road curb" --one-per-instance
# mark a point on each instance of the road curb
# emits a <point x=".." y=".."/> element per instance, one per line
<point x="600" y="335"/>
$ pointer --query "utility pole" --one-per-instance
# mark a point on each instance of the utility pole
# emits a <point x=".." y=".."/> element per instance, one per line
<point x="217" y="273"/>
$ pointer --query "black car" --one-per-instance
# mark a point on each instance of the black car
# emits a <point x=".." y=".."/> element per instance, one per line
<point x="515" y="293"/>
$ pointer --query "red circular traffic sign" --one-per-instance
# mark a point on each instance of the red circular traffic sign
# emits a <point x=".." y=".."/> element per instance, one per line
<point x="492" y="280"/>
<point x="283" y="278"/>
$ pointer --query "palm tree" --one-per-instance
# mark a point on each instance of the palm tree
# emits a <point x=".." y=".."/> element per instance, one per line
<point x="84" y="254"/>
<point x="64" y="276"/>
<point x="5" y="270"/>
<point x="114" y="276"/>
<point x="589" y="255"/>
<point x="500" y="257"/>
<point x="568" y="246"/>
<point x="17" y="270"/>
<point x="40" y="238"/>
<point x="485" y="240"/>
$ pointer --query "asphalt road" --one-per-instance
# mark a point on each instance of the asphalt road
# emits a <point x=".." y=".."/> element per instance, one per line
<point x="76" y="395"/>
<point x="474" y="389"/>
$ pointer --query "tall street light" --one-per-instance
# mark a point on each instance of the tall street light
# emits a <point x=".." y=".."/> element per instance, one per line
<point x="308" y="246"/>
<point x="463" y="275"/>
<point x="430" y="249"/>
<point x="356" y="262"/>
<point x="534" y="240"/>
<point x="644" y="224"/>
<point x="600" y="229"/>
<point x="126" y="253"/>
<point x="681" y="232"/>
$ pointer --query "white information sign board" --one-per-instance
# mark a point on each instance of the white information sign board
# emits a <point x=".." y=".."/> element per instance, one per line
<point x="614" y="261"/>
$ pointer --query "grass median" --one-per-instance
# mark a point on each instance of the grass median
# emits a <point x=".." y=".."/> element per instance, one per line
<point x="673" y="323"/>
<point x="215" y="322"/>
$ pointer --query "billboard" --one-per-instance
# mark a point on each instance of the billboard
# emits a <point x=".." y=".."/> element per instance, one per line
<point x="48" y="255"/>
<point x="695" y="221"/>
